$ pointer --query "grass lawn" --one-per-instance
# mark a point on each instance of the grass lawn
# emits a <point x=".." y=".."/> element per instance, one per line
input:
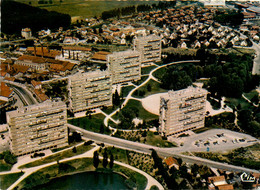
<point x="160" y="72"/>
<point x="109" y="110"/>
<point x="125" y="90"/>
<point x="143" y="78"/>
<point x="180" y="51"/>
<point x="44" y="175"/>
<point x="62" y="148"/>
<point x="109" y="47"/>
<point x="59" y="156"/>
<point x="146" y="70"/>
<point x="156" y="140"/>
<point x="143" y="114"/>
<point x="84" y="8"/>
<point x="91" y="124"/>
<point x="7" y="180"/>
<point x="234" y="102"/>
<point x="119" y="154"/>
<point x="251" y="94"/>
<point x="4" y="166"/>
<point x="143" y="91"/>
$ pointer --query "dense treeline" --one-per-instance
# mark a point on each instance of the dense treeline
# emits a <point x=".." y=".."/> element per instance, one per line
<point x="229" y="74"/>
<point x="135" y="9"/>
<point x="233" y="18"/>
<point x="16" y="16"/>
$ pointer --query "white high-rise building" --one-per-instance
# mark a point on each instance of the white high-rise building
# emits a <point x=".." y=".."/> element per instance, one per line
<point x="124" y="66"/>
<point x="214" y="3"/>
<point x="90" y="90"/>
<point x="182" y="110"/>
<point x="38" y="127"/>
<point x="149" y="47"/>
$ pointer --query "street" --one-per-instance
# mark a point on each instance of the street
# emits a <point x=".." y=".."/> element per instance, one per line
<point x="143" y="148"/>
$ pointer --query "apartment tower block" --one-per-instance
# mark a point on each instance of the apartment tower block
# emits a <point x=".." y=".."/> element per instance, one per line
<point x="124" y="66"/>
<point x="38" y="127"/>
<point x="182" y="110"/>
<point x="89" y="90"/>
<point x="149" y="47"/>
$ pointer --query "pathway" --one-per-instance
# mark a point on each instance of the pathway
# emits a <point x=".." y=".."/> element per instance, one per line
<point x="129" y="96"/>
<point x="89" y="154"/>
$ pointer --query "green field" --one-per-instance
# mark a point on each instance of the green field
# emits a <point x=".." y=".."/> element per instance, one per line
<point x="84" y="8"/>
<point x="125" y="90"/>
<point x="143" y="114"/>
<point x="4" y="166"/>
<point x="7" y="180"/>
<point x="155" y="88"/>
<point x="93" y="123"/>
<point x="59" y="156"/>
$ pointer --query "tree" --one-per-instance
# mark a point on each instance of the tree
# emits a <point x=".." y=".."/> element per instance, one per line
<point x="95" y="159"/>
<point x="116" y="99"/>
<point x="74" y="150"/>
<point x="102" y="128"/>
<point x="9" y="157"/>
<point x="105" y="157"/>
<point x="149" y="88"/>
<point x="111" y="163"/>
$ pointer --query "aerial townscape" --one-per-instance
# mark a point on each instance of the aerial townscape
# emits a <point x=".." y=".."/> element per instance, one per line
<point x="130" y="94"/>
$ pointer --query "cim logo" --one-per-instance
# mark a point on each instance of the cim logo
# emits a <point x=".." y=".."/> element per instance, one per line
<point x="247" y="177"/>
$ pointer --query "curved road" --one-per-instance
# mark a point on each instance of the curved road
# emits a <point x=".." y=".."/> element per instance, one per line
<point x="144" y="148"/>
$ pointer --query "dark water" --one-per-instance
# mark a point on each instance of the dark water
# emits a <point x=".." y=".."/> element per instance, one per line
<point x="87" y="180"/>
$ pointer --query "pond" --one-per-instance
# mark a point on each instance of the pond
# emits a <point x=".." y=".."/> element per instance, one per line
<point x="87" y="180"/>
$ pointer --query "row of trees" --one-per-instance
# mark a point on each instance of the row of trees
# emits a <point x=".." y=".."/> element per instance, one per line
<point x="135" y="9"/>
<point x="105" y="162"/>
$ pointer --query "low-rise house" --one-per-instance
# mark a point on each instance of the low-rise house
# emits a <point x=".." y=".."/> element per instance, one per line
<point x="170" y="162"/>
<point x="6" y="95"/>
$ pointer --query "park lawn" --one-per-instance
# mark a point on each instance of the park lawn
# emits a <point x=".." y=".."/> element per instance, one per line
<point x="109" y="110"/>
<point x="125" y="90"/>
<point x="44" y="175"/>
<point x="5" y="166"/>
<point x="234" y="102"/>
<point x="68" y="146"/>
<point x="147" y="70"/>
<point x="119" y="154"/>
<point x="59" y="156"/>
<point x="155" y="89"/>
<point x="245" y="50"/>
<point x="143" y="114"/>
<point x="93" y="123"/>
<point x="160" y="72"/>
<point x="156" y="140"/>
<point x="251" y="94"/>
<point x="143" y="78"/>
<point x="109" y="47"/>
<point x="8" y="179"/>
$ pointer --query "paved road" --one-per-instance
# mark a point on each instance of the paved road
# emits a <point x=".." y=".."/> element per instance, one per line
<point x="139" y="147"/>
<point x="27" y="95"/>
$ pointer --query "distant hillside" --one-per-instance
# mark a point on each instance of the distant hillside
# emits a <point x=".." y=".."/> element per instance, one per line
<point x="84" y="8"/>
<point x="16" y="16"/>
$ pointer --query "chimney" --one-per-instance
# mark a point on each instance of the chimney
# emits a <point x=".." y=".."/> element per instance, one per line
<point x="77" y="56"/>
<point x="34" y="50"/>
<point x="62" y="51"/>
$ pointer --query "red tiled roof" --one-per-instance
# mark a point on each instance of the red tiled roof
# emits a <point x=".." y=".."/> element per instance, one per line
<point x="41" y="95"/>
<point x="101" y="55"/>
<point x="44" y="51"/>
<point x="10" y="78"/>
<point x="35" y="83"/>
<point x="216" y="178"/>
<point x="226" y="187"/>
<point x="170" y="161"/>
<point x="5" y="90"/>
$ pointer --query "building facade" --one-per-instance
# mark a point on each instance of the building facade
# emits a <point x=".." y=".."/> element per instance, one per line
<point x="124" y="66"/>
<point x="38" y="127"/>
<point x="89" y="90"/>
<point x="149" y="47"/>
<point x="182" y="110"/>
